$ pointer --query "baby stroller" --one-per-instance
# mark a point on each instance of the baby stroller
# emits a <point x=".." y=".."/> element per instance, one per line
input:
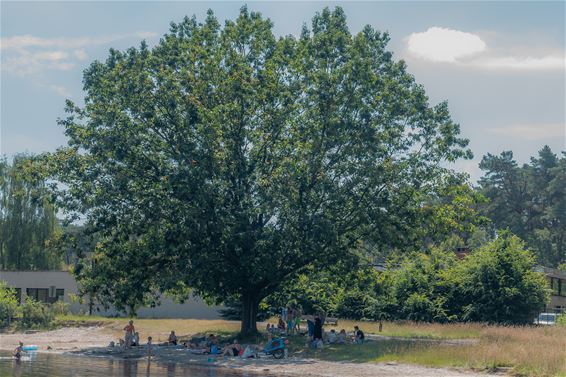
<point x="276" y="348"/>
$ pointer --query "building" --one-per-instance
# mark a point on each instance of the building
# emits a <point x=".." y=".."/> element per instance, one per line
<point x="52" y="286"/>
<point x="557" y="283"/>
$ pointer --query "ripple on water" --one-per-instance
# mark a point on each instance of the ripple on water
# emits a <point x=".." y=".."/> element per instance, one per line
<point x="57" y="365"/>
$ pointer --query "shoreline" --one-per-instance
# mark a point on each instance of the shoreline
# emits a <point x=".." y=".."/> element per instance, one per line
<point x="92" y="342"/>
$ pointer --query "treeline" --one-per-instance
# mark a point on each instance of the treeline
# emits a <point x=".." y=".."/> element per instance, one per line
<point x="28" y="221"/>
<point x="494" y="284"/>
<point x="529" y="200"/>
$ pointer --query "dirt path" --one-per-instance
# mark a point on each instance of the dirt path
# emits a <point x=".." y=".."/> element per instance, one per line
<point x="93" y="341"/>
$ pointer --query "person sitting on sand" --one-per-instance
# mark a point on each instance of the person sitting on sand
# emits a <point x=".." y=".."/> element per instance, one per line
<point x="18" y="351"/>
<point x="172" y="339"/>
<point x="341" y="339"/>
<point x="281" y="325"/>
<point x="136" y="339"/>
<point x="332" y="336"/>
<point x="129" y="334"/>
<point x="212" y="340"/>
<point x="232" y="349"/>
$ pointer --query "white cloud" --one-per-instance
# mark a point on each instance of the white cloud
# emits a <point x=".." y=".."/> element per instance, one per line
<point x="29" y="56"/>
<point x="24" y="41"/>
<point x="532" y="131"/>
<point x="51" y="55"/>
<point x="549" y="62"/>
<point x="25" y="63"/>
<point x="444" y="45"/>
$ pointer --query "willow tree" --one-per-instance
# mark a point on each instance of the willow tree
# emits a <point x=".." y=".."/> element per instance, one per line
<point x="226" y="160"/>
<point x="28" y="222"/>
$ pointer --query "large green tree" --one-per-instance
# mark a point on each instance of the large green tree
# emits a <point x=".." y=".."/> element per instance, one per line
<point x="227" y="160"/>
<point x="28" y="222"/>
<point x="529" y="200"/>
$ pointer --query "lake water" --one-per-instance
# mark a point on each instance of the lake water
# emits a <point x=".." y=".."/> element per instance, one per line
<point x="56" y="365"/>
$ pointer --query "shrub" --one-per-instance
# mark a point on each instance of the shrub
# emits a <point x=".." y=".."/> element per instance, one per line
<point x="497" y="283"/>
<point x="35" y="314"/>
<point x="59" y="308"/>
<point x="8" y="305"/>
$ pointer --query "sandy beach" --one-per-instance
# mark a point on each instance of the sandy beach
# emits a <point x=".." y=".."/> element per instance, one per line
<point x="93" y="341"/>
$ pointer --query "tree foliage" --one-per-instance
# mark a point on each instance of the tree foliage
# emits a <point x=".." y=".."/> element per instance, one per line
<point x="529" y="200"/>
<point x="228" y="161"/>
<point x="28" y="222"/>
<point x="497" y="283"/>
<point x="8" y="305"/>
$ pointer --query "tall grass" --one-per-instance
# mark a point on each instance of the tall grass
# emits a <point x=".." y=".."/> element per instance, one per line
<point x="529" y="351"/>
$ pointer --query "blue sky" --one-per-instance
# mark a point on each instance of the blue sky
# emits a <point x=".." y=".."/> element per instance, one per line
<point x="500" y="65"/>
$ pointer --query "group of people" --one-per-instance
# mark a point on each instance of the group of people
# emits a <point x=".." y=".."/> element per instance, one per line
<point x="290" y="320"/>
<point x="132" y="339"/>
<point x="289" y="323"/>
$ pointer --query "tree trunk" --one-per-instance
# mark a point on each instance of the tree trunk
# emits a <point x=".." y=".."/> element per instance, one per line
<point x="249" y="316"/>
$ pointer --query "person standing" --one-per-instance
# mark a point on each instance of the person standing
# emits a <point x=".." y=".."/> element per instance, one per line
<point x="290" y="321"/>
<point x="129" y="334"/>
<point x="317" y="336"/>
<point x="360" y="336"/>
<point x="298" y="320"/>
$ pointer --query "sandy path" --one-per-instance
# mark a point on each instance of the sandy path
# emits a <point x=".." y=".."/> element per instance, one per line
<point x="93" y="341"/>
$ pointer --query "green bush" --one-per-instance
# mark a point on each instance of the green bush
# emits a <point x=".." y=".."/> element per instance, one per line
<point x="497" y="284"/>
<point x="59" y="308"/>
<point x="35" y="314"/>
<point x="561" y="320"/>
<point x="8" y="305"/>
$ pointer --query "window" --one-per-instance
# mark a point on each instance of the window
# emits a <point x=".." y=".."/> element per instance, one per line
<point x="38" y="294"/>
<point x="563" y="287"/>
<point x="59" y="294"/>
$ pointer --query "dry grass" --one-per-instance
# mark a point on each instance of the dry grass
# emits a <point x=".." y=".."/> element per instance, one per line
<point x="529" y="351"/>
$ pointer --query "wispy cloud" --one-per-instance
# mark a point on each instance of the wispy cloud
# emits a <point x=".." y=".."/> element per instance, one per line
<point x="531" y="131"/>
<point x="438" y="44"/>
<point x="25" y="41"/>
<point x="29" y="56"/>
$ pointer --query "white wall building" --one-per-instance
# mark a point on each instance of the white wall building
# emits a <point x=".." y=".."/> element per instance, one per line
<point x="50" y="286"/>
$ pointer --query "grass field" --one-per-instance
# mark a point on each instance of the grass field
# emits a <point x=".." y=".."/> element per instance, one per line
<point x="526" y="351"/>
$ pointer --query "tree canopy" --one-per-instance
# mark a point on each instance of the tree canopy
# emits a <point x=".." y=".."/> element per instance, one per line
<point x="28" y="223"/>
<point x="529" y="200"/>
<point x="227" y="161"/>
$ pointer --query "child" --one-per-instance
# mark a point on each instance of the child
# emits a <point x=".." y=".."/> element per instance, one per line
<point x="149" y="346"/>
<point x="18" y="351"/>
<point x="136" y="339"/>
<point x="172" y="339"/>
<point x="332" y="337"/>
